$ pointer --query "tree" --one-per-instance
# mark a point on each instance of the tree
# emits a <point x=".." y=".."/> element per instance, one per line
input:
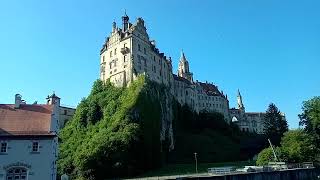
<point x="310" y="119"/>
<point x="274" y="124"/>
<point x="297" y="146"/>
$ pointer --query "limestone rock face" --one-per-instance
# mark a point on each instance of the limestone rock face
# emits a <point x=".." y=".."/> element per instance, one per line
<point x="166" y="131"/>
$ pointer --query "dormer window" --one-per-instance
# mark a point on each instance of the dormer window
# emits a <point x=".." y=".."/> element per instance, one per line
<point x="4" y="147"/>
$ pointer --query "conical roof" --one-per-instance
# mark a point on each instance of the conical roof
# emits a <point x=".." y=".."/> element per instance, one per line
<point x="183" y="57"/>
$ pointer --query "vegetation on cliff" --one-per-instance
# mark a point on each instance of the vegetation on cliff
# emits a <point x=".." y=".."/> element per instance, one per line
<point x="117" y="132"/>
<point x="114" y="132"/>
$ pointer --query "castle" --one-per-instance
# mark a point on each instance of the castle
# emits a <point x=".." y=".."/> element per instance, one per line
<point x="128" y="52"/>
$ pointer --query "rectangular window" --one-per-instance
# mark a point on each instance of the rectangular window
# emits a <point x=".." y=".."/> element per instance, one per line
<point x="4" y="147"/>
<point x="124" y="58"/>
<point x="139" y="47"/>
<point x="115" y="51"/>
<point x="144" y="51"/>
<point x="35" y="146"/>
<point x="110" y="53"/>
<point x="139" y="59"/>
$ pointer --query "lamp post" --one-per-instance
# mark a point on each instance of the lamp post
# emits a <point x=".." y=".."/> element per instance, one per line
<point x="195" y="158"/>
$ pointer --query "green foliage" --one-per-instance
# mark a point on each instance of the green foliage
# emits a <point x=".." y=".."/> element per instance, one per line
<point x="266" y="156"/>
<point x="114" y="132"/>
<point x="310" y="119"/>
<point x="274" y="125"/>
<point x="297" y="146"/>
<point x="206" y="133"/>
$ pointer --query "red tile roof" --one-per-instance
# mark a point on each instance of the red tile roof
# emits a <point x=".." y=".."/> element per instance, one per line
<point x="210" y="89"/>
<point x="33" y="120"/>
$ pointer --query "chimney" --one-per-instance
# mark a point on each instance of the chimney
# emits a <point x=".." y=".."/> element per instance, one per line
<point x="17" y="101"/>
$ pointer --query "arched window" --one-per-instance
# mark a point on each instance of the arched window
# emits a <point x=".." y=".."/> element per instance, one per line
<point x="17" y="173"/>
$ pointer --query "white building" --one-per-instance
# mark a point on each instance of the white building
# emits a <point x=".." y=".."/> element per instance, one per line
<point x="28" y="139"/>
<point x="128" y="52"/>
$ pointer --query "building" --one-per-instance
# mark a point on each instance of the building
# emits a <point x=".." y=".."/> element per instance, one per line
<point x="28" y="139"/>
<point x="65" y="113"/>
<point x="128" y="52"/>
<point x="248" y="121"/>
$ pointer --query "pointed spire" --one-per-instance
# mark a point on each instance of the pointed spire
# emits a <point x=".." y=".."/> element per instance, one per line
<point x="183" y="57"/>
<point x="239" y="99"/>
<point x="239" y="93"/>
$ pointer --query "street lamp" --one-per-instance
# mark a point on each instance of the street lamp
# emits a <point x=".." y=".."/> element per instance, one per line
<point x="195" y="158"/>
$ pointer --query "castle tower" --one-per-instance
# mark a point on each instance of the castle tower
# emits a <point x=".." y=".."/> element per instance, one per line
<point x="183" y="70"/>
<point x="53" y="99"/>
<point x="240" y="103"/>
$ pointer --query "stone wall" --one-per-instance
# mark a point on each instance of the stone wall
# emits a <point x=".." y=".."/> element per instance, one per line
<point x="291" y="174"/>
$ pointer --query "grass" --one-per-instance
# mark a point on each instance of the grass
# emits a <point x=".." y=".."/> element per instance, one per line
<point x="180" y="169"/>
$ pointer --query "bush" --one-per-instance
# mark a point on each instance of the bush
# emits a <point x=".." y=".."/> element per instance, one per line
<point x="266" y="156"/>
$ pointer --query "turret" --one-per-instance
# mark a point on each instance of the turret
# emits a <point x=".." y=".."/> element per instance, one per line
<point x="53" y="100"/>
<point x="114" y="26"/>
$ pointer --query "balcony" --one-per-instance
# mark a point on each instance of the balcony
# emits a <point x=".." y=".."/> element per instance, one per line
<point x="124" y="50"/>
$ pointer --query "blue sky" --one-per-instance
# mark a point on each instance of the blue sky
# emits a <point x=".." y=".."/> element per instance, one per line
<point x="269" y="49"/>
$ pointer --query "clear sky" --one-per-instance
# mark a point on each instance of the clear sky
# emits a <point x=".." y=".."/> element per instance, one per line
<point x="269" y="49"/>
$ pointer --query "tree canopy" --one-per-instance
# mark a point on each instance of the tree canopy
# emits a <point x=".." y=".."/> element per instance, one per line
<point x="296" y="147"/>
<point x="275" y="125"/>
<point x="310" y="119"/>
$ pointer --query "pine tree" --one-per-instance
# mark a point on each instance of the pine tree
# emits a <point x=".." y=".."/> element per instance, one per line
<point x="275" y="125"/>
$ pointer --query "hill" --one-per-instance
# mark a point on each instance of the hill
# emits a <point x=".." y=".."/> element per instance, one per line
<point x="119" y="132"/>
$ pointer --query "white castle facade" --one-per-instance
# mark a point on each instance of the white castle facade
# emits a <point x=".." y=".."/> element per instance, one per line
<point x="128" y="52"/>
